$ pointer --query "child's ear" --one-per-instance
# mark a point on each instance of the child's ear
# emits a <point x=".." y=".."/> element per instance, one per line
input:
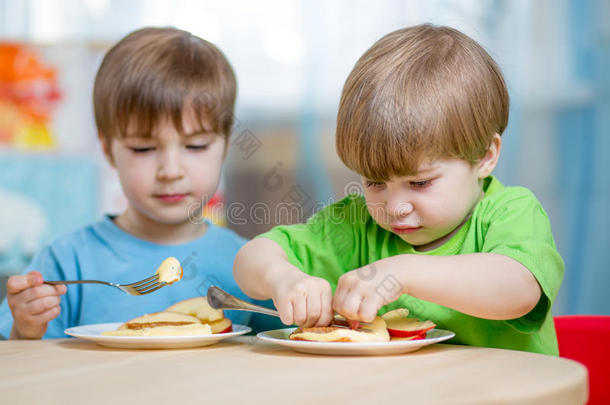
<point x="490" y="160"/>
<point x="106" y="148"/>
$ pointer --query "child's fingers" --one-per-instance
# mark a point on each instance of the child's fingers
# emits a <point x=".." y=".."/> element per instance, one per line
<point x="31" y="319"/>
<point x="350" y="306"/>
<point x="17" y="284"/>
<point x="35" y="293"/>
<point x="326" y="315"/>
<point x="340" y="294"/>
<point x="284" y="307"/>
<point x="60" y="289"/>
<point x="314" y="309"/>
<point x="299" y="308"/>
<point x="42" y="304"/>
<point x="49" y="315"/>
<point x="35" y="326"/>
<point x="368" y="310"/>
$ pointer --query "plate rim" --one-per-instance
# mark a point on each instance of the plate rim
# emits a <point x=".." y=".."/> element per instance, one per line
<point x="113" y="325"/>
<point x="354" y="345"/>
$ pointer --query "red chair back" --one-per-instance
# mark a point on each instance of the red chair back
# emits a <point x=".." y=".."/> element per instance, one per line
<point x="586" y="339"/>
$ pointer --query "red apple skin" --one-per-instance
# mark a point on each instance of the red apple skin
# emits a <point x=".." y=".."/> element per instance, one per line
<point x="407" y="333"/>
<point x="216" y="324"/>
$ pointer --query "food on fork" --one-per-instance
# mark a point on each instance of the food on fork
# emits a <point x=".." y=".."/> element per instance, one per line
<point x="402" y="327"/>
<point x="378" y="333"/>
<point x="162" y="324"/>
<point x="169" y="270"/>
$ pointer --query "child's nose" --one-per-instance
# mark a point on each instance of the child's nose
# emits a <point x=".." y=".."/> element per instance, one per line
<point x="170" y="166"/>
<point x="399" y="208"/>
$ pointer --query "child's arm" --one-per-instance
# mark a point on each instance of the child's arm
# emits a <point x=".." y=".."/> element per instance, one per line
<point x="484" y="285"/>
<point x="262" y="271"/>
<point x="33" y="304"/>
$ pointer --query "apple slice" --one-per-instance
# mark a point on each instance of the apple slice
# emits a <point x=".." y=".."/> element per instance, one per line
<point x="400" y="326"/>
<point x="199" y="308"/>
<point x="402" y="339"/>
<point x="414" y="337"/>
<point x="223" y="325"/>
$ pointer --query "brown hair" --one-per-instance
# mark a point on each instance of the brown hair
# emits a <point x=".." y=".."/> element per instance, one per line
<point x="423" y="92"/>
<point x="156" y="73"/>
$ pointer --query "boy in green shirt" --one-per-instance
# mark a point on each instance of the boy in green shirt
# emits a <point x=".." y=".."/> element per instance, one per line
<point x="420" y="120"/>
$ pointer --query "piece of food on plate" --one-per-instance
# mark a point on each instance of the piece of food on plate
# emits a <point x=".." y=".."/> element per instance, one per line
<point x="162" y="324"/>
<point x="223" y="325"/>
<point x="378" y="333"/>
<point x="169" y="270"/>
<point x="404" y="339"/>
<point x="199" y="308"/>
<point x="400" y="327"/>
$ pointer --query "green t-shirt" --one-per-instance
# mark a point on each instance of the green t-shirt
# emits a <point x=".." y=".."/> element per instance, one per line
<point x="507" y="220"/>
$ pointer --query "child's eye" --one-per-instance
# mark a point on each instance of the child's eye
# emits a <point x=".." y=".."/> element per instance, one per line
<point x="198" y="147"/>
<point x="142" y="150"/>
<point x="373" y="184"/>
<point x="421" y="184"/>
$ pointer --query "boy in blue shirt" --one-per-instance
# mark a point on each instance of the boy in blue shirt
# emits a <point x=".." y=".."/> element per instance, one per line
<point x="163" y="102"/>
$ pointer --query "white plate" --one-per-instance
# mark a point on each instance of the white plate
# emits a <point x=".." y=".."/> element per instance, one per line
<point x="94" y="334"/>
<point x="280" y="337"/>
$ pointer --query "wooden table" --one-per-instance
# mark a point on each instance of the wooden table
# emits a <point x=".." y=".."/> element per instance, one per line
<point x="245" y="370"/>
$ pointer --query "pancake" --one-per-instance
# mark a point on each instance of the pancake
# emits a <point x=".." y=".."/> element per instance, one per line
<point x="379" y="333"/>
<point x="162" y="324"/>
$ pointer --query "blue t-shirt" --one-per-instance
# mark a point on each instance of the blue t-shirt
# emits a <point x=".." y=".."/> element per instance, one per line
<point x="103" y="251"/>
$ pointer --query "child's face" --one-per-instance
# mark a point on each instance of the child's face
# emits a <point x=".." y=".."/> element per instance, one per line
<point x="425" y="208"/>
<point x="167" y="176"/>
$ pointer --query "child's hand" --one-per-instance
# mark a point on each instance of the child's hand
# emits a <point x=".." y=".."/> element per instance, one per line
<point x="33" y="304"/>
<point x="302" y="299"/>
<point x="361" y="292"/>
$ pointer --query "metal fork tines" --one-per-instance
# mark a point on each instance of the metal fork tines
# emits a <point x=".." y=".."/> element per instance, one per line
<point x="141" y="287"/>
<point x="220" y="299"/>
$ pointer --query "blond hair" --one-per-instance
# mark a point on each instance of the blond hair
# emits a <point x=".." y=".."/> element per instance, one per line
<point x="156" y="73"/>
<point x="423" y="92"/>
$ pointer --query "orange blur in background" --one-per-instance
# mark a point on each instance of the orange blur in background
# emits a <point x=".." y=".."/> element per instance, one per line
<point x="28" y="95"/>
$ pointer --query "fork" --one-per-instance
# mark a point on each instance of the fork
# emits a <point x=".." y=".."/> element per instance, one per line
<point x="220" y="299"/>
<point x="141" y="287"/>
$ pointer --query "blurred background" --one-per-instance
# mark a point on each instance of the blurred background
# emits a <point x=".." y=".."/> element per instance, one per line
<point x="291" y="58"/>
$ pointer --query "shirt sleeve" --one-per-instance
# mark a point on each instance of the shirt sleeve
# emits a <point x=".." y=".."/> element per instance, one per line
<point x="518" y="227"/>
<point x="6" y="319"/>
<point x="327" y="245"/>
